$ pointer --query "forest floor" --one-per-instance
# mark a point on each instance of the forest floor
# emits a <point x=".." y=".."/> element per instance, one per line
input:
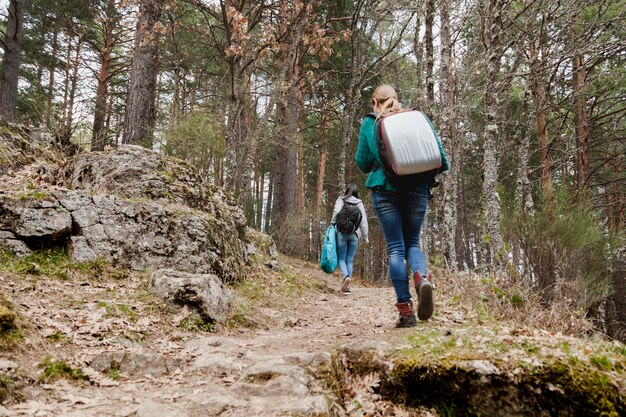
<point x="96" y="342"/>
<point x="172" y="365"/>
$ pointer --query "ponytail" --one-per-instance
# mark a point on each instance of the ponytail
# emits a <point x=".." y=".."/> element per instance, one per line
<point x="385" y="100"/>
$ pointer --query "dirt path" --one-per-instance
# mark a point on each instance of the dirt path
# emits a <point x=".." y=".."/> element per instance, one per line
<point x="263" y="371"/>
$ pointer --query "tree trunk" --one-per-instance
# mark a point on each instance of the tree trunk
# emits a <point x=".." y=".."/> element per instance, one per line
<point x="449" y="138"/>
<point x="66" y="82"/>
<point x="430" y="55"/>
<point x="285" y="162"/>
<point x="98" y="136"/>
<point x="492" y="28"/>
<point x="538" y="90"/>
<point x="67" y="128"/>
<point x="52" y="71"/>
<point x="141" y="96"/>
<point x="319" y="187"/>
<point x="11" y="60"/>
<point x="269" y="204"/>
<point x="581" y="121"/>
<point x="300" y="144"/>
<point x="616" y="311"/>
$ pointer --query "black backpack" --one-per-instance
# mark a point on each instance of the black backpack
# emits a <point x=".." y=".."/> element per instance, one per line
<point x="349" y="217"/>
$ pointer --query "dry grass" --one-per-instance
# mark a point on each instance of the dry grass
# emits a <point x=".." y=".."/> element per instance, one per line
<point x="495" y="298"/>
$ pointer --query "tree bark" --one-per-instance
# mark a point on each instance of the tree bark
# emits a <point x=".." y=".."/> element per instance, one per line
<point x="430" y="55"/>
<point x="581" y="121"/>
<point x="141" y="96"/>
<point x="98" y="136"/>
<point x="449" y="138"/>
<point x="51" y="74"/>
<point x="319" y="187"/>
<point x="492" y="28"/>
<point x="11" y="60"/>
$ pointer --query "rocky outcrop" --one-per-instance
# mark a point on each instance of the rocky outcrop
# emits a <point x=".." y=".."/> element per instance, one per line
<point x="132" y="234"/>
<point x="134" y="172"/>
<point x="20" y="147"/>
<point x="134" y="208"/>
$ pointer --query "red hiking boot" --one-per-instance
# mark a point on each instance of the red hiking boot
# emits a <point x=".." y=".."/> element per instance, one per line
<point x="407" y="315"/>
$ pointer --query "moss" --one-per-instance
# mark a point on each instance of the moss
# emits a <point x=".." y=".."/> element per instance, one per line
<point x="34" y="195"/>
<point x="55" y="262"/>
<point x="53" y="369"/>
<point x="10" y="332"/>
<point x="585" y="390"/>
<point x="556" y="387"/>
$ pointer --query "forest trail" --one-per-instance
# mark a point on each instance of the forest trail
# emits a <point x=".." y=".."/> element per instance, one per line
<point x="267" y="370"/>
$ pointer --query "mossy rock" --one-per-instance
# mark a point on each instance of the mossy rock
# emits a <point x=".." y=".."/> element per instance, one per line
<point x="458" y="385"/>
<point x="554" y="389"/>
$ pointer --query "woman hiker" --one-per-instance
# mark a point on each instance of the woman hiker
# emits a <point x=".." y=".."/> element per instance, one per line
<point x="350" y="220"/>
<point x="400" y="213"/>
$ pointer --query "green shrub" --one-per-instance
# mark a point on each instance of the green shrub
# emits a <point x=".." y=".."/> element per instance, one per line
<point x="567" y="248"/>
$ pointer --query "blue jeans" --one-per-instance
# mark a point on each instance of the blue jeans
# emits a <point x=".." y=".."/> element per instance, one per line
<point x="401" y="215"/>
<point x="346" y="248"/>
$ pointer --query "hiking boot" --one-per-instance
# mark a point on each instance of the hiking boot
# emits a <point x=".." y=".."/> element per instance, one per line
<point x="424" y="290"/>
<point x="345" y="285"/>
<point x="407" y="316"/>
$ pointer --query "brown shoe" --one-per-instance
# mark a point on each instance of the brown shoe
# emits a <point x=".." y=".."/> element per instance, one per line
<point x="345" y="286"/>
<point x="407" y="315"/>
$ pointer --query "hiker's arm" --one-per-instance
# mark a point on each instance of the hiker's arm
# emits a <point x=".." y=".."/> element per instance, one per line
<point x="364" y="157"/>
<point x="338" y="205"/>
<point x="364" y="226"/>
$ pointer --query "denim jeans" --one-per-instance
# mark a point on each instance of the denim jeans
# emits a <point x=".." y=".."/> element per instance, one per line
<point x="401" y="215"/>
<point x="346" y="248"/>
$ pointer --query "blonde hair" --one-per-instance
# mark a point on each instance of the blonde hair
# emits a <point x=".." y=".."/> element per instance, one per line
<point x="385" y="100"/>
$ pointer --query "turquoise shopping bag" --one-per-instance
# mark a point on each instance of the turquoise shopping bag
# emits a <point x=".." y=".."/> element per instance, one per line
<point x="328" y="261"/>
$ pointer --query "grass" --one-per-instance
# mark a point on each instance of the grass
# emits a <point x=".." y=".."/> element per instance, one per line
<point x="268" y="290"/>
<point x="195" y="323"/>
<point x="56" y="263"/>
<point x="53" y="369"/>
<point x="119" y="310"/>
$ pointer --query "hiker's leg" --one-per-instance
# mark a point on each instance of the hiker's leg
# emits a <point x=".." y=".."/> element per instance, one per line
<point x="413" y="218"/>
<point x="390" y="219"/>
<point x="341" y="253"/>
<point x="352" y="242"/>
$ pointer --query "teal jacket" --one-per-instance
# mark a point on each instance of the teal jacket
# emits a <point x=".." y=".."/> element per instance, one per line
<point x="367" y="157"/>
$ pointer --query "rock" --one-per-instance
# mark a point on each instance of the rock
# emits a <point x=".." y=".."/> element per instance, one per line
<point x="9" y="242"/>
<point x="80" y="250"/>
<point x="151" y="408"/>
<point x="7" y="365"/>
<point x="37" y="222"/>
<point x="482" y="367"/>
<point x="202" y="291"/>
<point x="135" y="364"/>
<point x="135" y="172"/>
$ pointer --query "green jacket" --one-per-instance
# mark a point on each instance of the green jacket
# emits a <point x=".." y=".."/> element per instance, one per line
<point x="367" y="157"/>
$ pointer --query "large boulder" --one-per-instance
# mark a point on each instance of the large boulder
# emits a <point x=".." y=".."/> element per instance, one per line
<point x="203" y="292"/>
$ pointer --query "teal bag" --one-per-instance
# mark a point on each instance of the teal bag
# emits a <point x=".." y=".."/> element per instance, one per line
<point x="329" y="261"/>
